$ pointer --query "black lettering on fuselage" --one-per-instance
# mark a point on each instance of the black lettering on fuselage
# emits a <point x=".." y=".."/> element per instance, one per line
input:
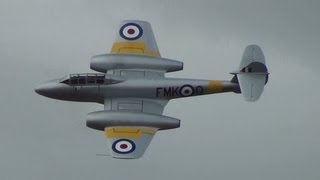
<point x="175" y="91"/>
<point x="167" y="92"/>
<point x="158" y="91"/>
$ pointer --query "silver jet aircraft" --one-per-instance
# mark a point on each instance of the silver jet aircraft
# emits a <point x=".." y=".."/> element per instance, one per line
<point x="131" y="84"/>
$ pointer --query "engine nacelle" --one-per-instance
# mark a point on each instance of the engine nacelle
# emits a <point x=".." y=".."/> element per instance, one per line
<point x="103" y="63"/>
<point x="101" y="119"/>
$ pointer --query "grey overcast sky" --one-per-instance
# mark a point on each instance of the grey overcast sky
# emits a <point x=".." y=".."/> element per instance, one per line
<point x="221" y="136"/>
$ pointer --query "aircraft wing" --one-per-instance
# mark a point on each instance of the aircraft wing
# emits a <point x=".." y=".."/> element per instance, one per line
<point x="135" y="54"/>
<point x="135" y="37"/>
<point x="132" y="123"/>
<point x="129" y="142"/>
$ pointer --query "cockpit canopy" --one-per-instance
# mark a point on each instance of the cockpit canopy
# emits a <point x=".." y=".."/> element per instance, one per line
<point x="88" y="79"/>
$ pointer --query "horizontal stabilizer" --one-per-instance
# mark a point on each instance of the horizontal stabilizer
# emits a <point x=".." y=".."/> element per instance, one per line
<point x="251" y="85"/>
<point x="252" y="53"/>
<point x="252" y="74"/>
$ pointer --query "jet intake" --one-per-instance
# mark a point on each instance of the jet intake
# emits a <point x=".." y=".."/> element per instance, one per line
<point x="103" y="63"/>
<point x="101" y="119"/>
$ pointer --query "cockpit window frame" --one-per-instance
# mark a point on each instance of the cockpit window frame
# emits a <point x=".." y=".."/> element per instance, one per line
<point x="87" y="79"/>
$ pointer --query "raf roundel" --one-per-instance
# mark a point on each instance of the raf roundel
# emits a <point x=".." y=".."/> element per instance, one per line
<point x="186" y="90"/>
<point x="123" y="146"/>
<point x="131" y="31"/>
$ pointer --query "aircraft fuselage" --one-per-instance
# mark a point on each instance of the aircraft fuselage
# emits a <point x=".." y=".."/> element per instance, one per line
<point x="90" y="89"/>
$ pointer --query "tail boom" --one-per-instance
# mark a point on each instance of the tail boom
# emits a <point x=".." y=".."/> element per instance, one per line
<point x="222" y="86"/>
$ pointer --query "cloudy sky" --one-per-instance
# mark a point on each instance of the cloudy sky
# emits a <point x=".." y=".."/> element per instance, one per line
<point x="221" y="136"/>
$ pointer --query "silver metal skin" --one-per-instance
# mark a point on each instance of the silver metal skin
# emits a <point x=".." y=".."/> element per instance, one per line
<point x="164" y="88"/>
<point x="104" y="62"/>
<point x="134" y="90"/>
<point x="57" y="90"/>
<point x="102" y="119"/>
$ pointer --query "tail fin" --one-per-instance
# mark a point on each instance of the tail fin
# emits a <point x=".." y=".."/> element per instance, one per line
<point x="252" y="74"/>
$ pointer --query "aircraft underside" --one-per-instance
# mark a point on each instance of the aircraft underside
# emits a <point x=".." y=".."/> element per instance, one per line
<point x="132" y="86"/>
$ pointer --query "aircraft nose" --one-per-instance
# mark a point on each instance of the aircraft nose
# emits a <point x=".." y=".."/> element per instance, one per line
<point x="52" y="89"/>
<point x="44" y="89"/>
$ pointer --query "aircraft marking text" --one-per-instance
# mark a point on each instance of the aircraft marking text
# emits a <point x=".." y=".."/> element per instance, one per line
<point x="184" y="91"/>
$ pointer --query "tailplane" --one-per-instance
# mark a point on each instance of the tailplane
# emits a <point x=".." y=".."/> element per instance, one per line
<point x="252" y="74"/>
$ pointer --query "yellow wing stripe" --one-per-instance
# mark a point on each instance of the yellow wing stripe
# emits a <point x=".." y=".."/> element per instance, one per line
<point x="133" y="48"/>
<point x="215" y="87"/>
<point x="127" y="132"/>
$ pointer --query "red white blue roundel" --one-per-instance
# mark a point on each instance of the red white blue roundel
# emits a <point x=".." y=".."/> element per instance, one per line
<point x="186" y="90"/>
<point x="131" y="31"/>
<point x="123" y="146"/>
